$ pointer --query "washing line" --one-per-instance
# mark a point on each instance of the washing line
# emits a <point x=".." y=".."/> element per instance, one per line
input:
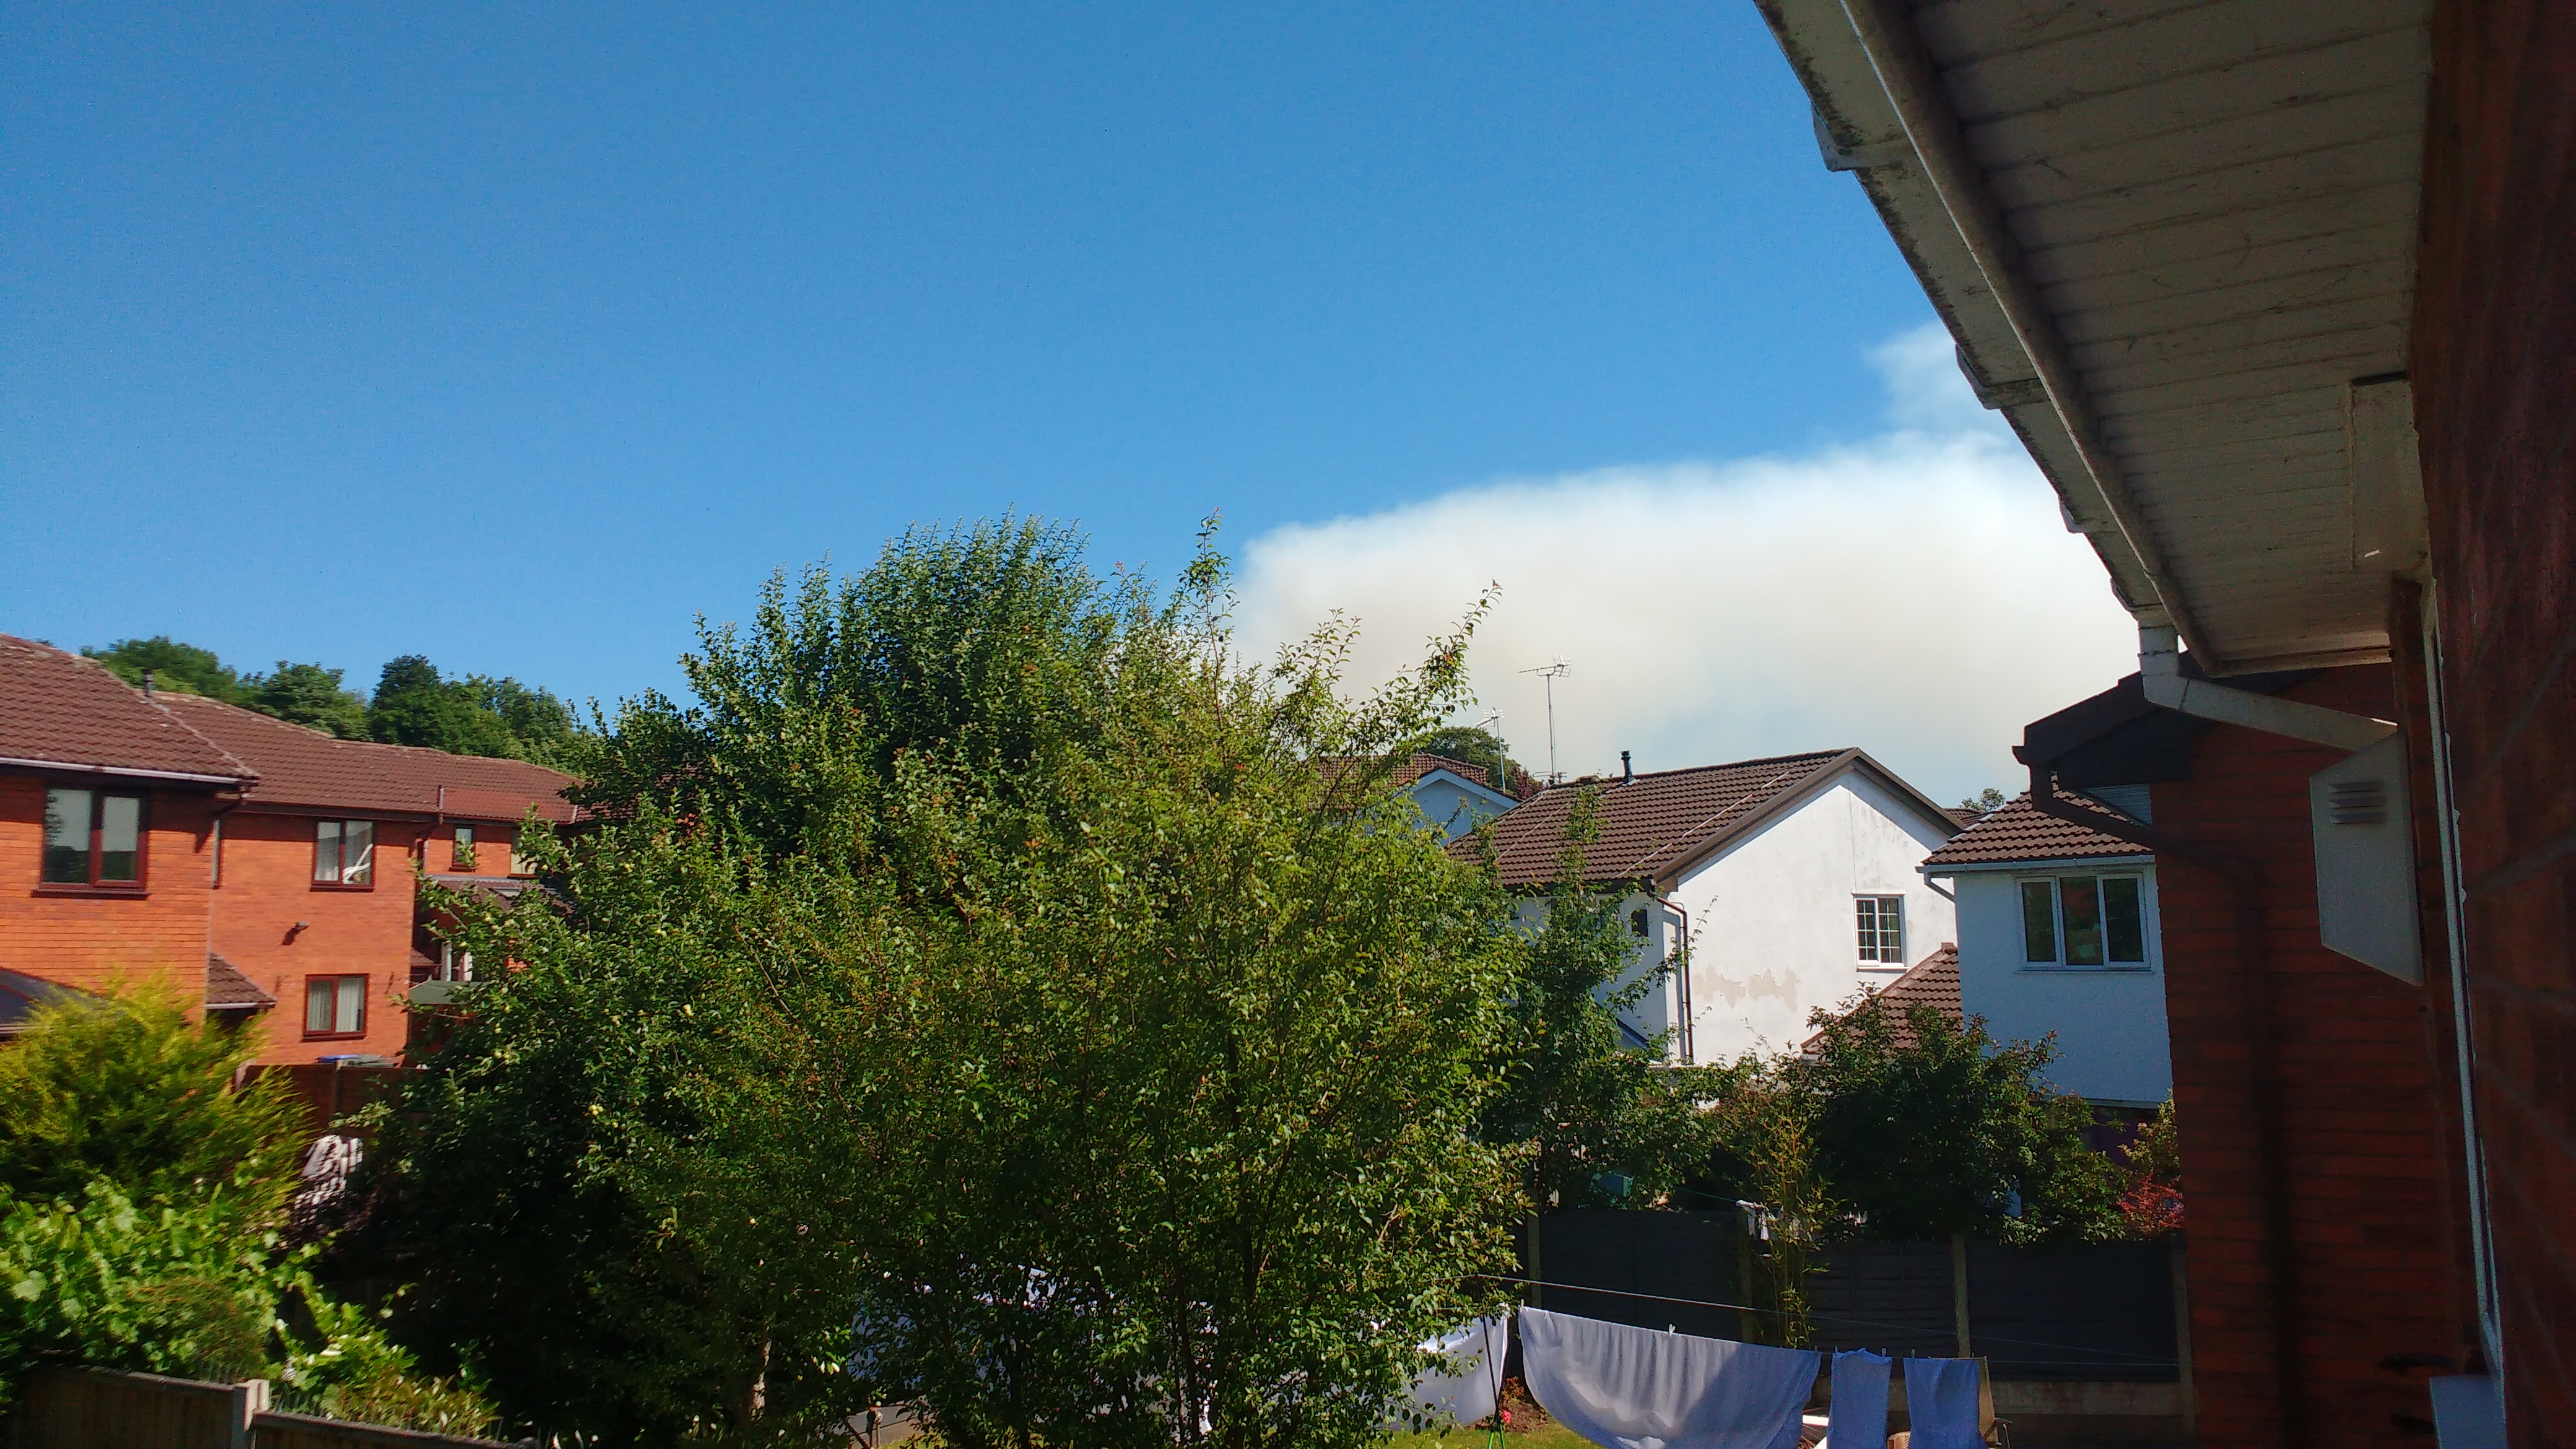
<point x="1835" y="1318"/>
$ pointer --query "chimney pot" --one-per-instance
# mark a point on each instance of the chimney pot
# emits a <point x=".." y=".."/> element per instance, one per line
<point x="1627" y="771"/>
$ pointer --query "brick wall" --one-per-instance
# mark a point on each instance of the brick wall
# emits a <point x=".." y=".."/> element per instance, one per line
<point x="86" y="941"/>
<point x="268" y="887"/>
<point x="491" y="850"/>
<point x="2320" y="1238"/>
<point x="2494" y="372"/>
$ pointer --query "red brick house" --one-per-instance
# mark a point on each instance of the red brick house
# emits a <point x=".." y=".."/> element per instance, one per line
<point x="268" y="870"/>
<point x="2281" y="297"/>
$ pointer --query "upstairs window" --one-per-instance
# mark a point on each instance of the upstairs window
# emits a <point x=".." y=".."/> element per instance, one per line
<point x="344" y="853"/>
<point x="461" y="857"/>
<point x="2084" y="920"/>
<point x="93" y="839"/>
<point x="335" y="1006"/>
<point x="1882" y="930"/>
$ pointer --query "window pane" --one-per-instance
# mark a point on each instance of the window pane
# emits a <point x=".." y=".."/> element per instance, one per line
<point x="66" y="837"/>
<point x="2038" y="921"/>
<point x="353" y="1004"/>
<point x="1891" y="929"/>
<point x="326" y="854"/>
<point x="318" y="997"/>
<point x="120" y="838"/>
<point x="357" y="852"/>
<point x="1868" y="911"/>
<point x="2123" y="923"/>
<point x="2083" y="900"/>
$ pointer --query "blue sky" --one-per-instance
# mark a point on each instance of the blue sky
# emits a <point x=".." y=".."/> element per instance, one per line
<point x="516" y="336"/>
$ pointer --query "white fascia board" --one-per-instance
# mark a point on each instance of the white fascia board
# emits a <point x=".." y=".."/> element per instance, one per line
<point x="2009" y="867"/>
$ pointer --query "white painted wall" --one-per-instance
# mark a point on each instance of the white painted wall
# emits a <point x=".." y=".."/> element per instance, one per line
<point x="2110" y="1022"/>
<point x="1771" y="919"/>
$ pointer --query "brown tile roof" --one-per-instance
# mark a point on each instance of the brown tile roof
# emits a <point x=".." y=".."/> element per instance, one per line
<point x="57" y="707"/>
<point x="1421" y="765"/>
<point x="1655" y="825"/>
<point x="305" y="768"/>
<point x="227" y="989"/>
<point x="1965" y="816"/>
<point x="1932" y="981"/>
<point x="2017" y="831"/>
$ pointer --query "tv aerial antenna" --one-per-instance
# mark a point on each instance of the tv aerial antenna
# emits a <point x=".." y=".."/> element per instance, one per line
<point x="1551" y="673"/>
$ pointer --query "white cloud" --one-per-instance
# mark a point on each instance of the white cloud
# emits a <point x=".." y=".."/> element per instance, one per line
<point x="1914" y="594"/>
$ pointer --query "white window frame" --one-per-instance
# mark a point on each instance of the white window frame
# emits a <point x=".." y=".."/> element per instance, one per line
<point x="2055" y="880"/>
<point x="1878" y="904"/>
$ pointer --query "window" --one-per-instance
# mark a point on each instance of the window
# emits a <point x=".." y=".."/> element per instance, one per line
<point x="1882" y="929"/>
<point x="344" y="853"/>
<point x="462" y="856"/>
<point x="335" y="1006"/>
<point x="1637" y="923"/>
<point x="93" y="839"/>
<point x="454" y="965"/>
<point x="2084" y="920"/>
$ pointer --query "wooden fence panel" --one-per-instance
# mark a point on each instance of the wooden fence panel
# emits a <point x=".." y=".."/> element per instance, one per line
<point x="76" y="1408"/>
<point x="101" y="1409"/>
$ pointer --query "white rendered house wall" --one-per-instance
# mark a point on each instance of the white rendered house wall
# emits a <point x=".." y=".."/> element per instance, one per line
<point x="2109" y="1019"/>
<point x="1773" y="919"/>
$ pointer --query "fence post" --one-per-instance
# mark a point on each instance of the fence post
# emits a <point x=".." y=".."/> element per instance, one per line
<point x="2182" y="1338"/>
<point x="250" y="1400"/>
<point x="1959" y="1288"/>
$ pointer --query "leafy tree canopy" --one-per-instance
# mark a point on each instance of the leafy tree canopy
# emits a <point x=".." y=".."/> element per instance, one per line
<point x="184" y="668"/>
<point x="1984" y="801"/>
<point x="127" y="1092"/>
<point x="309" y="695"/>
<point x="1605" y="1123"/>
<point x="1476" y="746"/>
<point x="476" y="715"/>
<point x="977" y="997"/>
<point x="1953" y="1132"/>
<point x="144" y="1202"/>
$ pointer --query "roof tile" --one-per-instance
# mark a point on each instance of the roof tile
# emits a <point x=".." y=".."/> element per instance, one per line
<point x="58" y="707"/>
<point x="302" y="767"/>
<point x="1932" y="981"/>
<point x="1646" y="824"/>
<point x="2017" y="831"/>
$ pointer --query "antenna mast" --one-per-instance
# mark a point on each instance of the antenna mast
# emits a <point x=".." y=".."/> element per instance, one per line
<point x="1551" y="673"/>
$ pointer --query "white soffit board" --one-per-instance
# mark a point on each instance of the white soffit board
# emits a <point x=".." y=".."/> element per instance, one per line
<point x="2209" y="209"/>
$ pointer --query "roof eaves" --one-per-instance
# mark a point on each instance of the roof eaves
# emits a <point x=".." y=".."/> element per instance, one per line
<point x="2052" y="862"/>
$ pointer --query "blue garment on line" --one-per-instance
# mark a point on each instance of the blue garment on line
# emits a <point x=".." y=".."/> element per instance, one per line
<point x="1858" y="1419"/>
<point x="1941" y="1403"/>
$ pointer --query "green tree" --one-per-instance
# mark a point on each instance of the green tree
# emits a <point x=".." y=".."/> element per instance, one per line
<point x="1984" y="802"/>
<point x="1476" y="746"/>
<point x="143" y="1198"/>
<point x="1605" y="1123"/>
<point x="184" y="668"/>
<point x="308" y="695"/>
<point x="127" y="1091"/>
<point x="984" y="951"/>
<point x="1954" y="1132"/>
<point x="476" y="715"/>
